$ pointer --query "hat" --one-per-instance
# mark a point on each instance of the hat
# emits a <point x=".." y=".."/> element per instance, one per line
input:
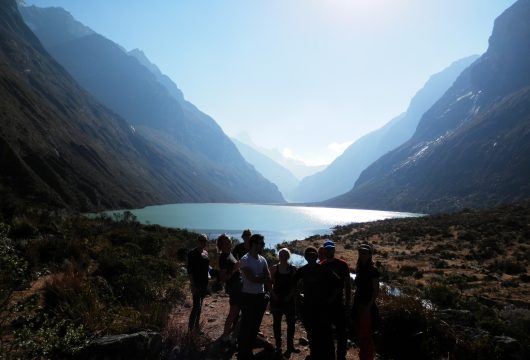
<point x="365" y="248"/>
<point x="328" y="244"/>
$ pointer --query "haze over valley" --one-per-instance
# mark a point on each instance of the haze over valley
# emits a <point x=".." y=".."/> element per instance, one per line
<point x="138" y="137"/>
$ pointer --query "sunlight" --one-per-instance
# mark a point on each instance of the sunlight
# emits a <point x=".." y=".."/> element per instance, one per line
<point x="360" y="13"/>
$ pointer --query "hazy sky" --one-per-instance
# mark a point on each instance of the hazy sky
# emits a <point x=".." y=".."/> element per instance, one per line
<point x="304" y="76"/>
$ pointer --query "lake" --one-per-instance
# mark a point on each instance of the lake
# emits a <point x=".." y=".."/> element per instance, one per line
<point x="277" y="223"/>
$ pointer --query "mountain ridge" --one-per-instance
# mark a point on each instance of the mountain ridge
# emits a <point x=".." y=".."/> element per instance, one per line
<point x="269" y="168"/>
<point x="129" y="88"/>
<point x="340" y="176"/>
<point x="471" y="148"/>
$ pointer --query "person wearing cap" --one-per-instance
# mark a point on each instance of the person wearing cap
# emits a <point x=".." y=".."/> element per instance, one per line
<point x="198" y="267"/>
<point x="229" y="275"/>
<point x="341" y="304"/>
<point x="316" y="296"/>
<point x="256" y="277"/>
<point x="364" y="311"/>
<point x="242" y="248"/>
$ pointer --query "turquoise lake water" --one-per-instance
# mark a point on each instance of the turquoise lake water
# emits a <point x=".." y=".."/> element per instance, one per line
<point x="276" y="222"/>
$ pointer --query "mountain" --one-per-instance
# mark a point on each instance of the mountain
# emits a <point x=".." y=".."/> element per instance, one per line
<point x="296" y="167"/>
<point x="269" y="168"/>
<point x="148" y="100"/>
<point x="340" y="176"/>
<point x="471" y="148"/>
<point x="60" y="147"/>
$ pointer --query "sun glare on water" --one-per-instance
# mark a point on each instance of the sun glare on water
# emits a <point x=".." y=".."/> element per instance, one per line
<point x="334" y="216"/>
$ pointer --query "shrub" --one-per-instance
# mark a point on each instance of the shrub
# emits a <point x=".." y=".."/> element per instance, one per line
<point x="52" y="251"/>
<point x="407" y="270"/>
<point x="410" y="331"/>
<point x="509" y="267"/>
<point x="45" y="337"/>
<point x="441" y="295"/>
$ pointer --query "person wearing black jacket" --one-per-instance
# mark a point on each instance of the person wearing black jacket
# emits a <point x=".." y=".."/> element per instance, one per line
<point x="342" y="302"/>
<point x="317" y="291"/>
<point x="364" y="312"/>
<point x="198" y="267"/>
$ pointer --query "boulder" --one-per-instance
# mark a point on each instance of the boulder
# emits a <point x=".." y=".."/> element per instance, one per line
<point x="141" y="345"/>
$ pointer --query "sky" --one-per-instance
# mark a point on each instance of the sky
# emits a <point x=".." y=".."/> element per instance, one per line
<point x="306" y="77"/>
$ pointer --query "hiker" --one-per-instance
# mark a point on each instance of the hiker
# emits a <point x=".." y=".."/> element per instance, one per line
<point x="198" y="267"/>
<point x="316" y="297"/>
<point x="256" y="277"/>
<point x="341" y="305"/>
<point x="365" y="313"/>
<point x="230" y="276"/>
<point x="242" y="248"/>
<point x="283" y="300"/>
<point x="321" y="254"/>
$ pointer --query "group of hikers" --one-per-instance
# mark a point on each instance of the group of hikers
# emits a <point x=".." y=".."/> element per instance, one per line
<point x="318" y="292"/>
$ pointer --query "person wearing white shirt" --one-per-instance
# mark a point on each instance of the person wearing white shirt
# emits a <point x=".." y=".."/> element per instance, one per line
<point x="256" y="279"/>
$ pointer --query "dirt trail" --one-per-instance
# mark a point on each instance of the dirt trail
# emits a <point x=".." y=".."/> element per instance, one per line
<point x="215" y="309"/>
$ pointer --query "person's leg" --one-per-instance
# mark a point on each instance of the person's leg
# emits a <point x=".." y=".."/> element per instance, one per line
<point x="277" y="328"/>
<point x="318" y="344"/>
<point x="258" y="310"/>
<point x="290" y="319"/>
<point x="366" y="343"/>
<point x="325" y="336"/>
<point x="231" y="320"/>
<point x="339" y="319"/>
<point x="244" y="342"/>
<point x="195" y="313"/>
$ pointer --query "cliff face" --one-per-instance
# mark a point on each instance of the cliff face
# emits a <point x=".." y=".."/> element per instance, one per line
<point x="471" y="148"/>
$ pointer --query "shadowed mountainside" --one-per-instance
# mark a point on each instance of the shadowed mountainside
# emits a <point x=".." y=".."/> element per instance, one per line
<point x="153" y="104"/>
<point x="61" y="147"/>
<point x="472" y="148"/>
<point x="269" y="168"/>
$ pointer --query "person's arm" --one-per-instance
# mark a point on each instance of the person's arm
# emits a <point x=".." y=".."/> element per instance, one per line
<point x="267" y="281"/>
<point x="375" y="292"/>
<point x="224" y="272"/>
<point x="190" y="269"/>
<point x="347" y="288"/>
<point x="273" y="270"/>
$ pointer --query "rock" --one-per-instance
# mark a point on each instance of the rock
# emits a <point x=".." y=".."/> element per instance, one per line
<point x="510" y="348"/>
<point x="303" y="341"/>
<point x="141" y="345"/>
